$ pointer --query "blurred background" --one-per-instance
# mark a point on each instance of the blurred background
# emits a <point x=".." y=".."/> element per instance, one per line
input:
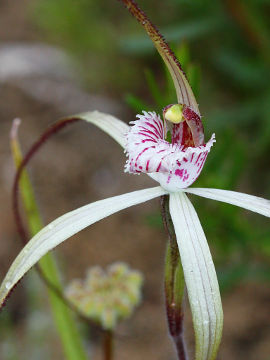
<point x="65" y="56"/>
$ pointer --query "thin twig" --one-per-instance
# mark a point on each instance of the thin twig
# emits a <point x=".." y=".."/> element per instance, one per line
<point x="54" y="129"/>
<point x="108" y="345"/>
<point x="32" y="151"/>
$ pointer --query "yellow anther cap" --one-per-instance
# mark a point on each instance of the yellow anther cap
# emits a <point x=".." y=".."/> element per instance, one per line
<point x="174" y="114"/>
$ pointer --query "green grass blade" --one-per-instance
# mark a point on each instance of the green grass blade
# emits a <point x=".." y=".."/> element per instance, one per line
<point x="70" y="338"/>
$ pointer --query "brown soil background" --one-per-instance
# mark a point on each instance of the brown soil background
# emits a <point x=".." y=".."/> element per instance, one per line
<point x="82" y="165"/>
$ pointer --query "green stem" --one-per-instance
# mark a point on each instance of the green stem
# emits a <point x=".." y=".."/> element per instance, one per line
<point x="70" y="338"/>
<point x="174" y="284"/>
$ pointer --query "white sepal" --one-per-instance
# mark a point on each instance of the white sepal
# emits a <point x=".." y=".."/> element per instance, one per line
<point x="114" y="127"/>
<point x="249" y="202"/>
<point x="200" y="277"/>
<point x="66" y="226"/>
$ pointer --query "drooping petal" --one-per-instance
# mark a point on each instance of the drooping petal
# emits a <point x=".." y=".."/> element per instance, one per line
<point x="66" y="226"/>
<point x="249" y="202"/>
<point x="114" y="127"/>
<point x="183" y="90"/>
<point x="200" y="277"/>
<point x="174" y="166"/>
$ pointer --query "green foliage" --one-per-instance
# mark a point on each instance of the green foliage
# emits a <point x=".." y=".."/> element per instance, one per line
<point x="69" y="335"/>
<point x="141" y="45"/>
<point x="85" y="28"/>
<point x="240" y="241"/>
<point x="230" y="42"/>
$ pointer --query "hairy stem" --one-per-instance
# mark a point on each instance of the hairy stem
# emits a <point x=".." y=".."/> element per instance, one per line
<point x="183" y="90"/>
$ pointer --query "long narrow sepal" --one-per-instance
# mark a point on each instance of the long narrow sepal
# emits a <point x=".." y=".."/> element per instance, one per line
<point x="66" y="226"/>
<point x="249" y="202"/>
<point x="200" y="277"/>
<point x="183" y="90"/>
<point x="48" y="270"/>
<point x="114" y="127"/>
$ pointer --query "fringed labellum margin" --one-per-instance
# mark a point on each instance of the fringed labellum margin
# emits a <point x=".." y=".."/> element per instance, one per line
<point x="176" y="165"/>
<point x="71" y="223"/>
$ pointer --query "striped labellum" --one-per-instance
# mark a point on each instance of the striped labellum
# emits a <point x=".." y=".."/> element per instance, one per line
<point x="175" y="164"/>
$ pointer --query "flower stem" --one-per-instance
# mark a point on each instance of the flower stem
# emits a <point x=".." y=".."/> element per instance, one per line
<point x="180" y="348"/>
<point x="174" y="284"/>
<point x="108" y="345"/>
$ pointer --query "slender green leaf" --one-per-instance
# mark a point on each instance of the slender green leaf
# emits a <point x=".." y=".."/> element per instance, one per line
<point x="64" y="321"/>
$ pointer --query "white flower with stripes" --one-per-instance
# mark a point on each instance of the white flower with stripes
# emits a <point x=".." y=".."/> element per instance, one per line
<point x="199" y="271"/>
<point x="172" y="151"/>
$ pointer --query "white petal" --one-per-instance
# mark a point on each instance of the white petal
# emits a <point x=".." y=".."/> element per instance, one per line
<point x="66" y="226"/>
<point x="114" y="127"/>
<point x="200" y="277"/>
<point x="175" y="166"/>
<point x="186" y="169"/>
<point x="249" y="202"/>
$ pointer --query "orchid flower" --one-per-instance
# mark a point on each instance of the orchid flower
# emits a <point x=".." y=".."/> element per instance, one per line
<point x="175" y="165"/>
